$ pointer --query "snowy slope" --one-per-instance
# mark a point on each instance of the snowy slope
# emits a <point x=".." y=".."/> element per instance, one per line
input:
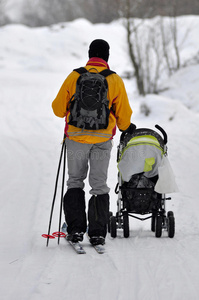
<point x="33" y="65"/>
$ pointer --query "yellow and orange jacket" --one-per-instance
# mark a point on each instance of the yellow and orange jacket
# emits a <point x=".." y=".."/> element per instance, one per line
<point x="118" y="104"/>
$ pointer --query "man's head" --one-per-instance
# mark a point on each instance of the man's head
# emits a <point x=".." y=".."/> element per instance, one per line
<point x="99" y="48"/>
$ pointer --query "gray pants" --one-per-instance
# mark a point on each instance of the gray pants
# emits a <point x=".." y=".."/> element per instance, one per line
<point x="80" y="156"/>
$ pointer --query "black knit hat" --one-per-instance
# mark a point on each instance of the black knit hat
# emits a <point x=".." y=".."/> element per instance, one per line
<point x="99" y="48"/>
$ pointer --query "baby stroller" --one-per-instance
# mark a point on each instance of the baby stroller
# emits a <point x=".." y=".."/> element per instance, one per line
<point x="139" y="156"/>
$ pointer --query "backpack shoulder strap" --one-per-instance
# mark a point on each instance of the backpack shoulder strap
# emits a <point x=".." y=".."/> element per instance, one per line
<point x="107" y="72"/>
<point x="81" y="70"/>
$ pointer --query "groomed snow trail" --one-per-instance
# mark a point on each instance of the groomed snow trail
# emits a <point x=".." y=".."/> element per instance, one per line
<point x="137" y="268"/>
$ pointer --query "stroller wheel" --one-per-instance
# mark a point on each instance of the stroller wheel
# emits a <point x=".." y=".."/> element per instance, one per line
<point x="158" y="226"/>
<point x="170" y="213"/>
<point x="126" y="225"/>
<point x="113" y="227"/>
<point x="171" y="226"/>
<point x="153" y="223"/>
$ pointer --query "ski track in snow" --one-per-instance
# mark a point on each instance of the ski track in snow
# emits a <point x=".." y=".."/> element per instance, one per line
<point x="141" y="267"/>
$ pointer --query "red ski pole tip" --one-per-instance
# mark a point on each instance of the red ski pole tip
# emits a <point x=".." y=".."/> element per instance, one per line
<point x="48" y="236"/>
<point x="59" y="234"/>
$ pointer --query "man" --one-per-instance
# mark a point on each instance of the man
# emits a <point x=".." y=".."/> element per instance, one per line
<point x="93" y="147"/>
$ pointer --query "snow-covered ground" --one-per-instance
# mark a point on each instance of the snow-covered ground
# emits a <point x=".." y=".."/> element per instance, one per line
<point x="33" y="65"/>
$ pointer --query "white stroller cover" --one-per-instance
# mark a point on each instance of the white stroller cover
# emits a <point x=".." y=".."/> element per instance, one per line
<point x="166" y="180"/>
<point x="144" y="154"/>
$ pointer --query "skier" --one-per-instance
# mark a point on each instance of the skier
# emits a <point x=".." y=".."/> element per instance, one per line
<point x="93" y="147"/>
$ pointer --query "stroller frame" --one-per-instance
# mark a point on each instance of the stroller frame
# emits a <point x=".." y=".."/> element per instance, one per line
<point x="152" y="204"/>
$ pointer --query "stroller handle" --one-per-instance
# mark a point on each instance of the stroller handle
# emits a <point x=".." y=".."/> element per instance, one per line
<point x="122" y="136"/>
<point x="163" y="133"/>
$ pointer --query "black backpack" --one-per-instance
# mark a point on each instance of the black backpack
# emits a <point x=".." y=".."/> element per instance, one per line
<point x="89" y="106"/>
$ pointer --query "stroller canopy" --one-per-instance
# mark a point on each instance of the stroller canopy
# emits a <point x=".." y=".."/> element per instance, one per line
<point x="141" y="153"/>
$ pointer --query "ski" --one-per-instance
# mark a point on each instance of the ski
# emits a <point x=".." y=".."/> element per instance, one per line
<point x="76" y="246"/>
<point x="80" y="250"/>
<point x="99" y="248"/>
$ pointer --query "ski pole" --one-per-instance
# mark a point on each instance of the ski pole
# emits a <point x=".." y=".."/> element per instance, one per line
<point x="62" y="191"/>
<point x="55" y="191"/>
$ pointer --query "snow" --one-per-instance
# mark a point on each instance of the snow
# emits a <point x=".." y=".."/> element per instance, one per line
<point x="33" y="64"/>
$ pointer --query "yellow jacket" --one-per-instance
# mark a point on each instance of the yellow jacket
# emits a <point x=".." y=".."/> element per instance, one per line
<point x="120" y="113"/>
